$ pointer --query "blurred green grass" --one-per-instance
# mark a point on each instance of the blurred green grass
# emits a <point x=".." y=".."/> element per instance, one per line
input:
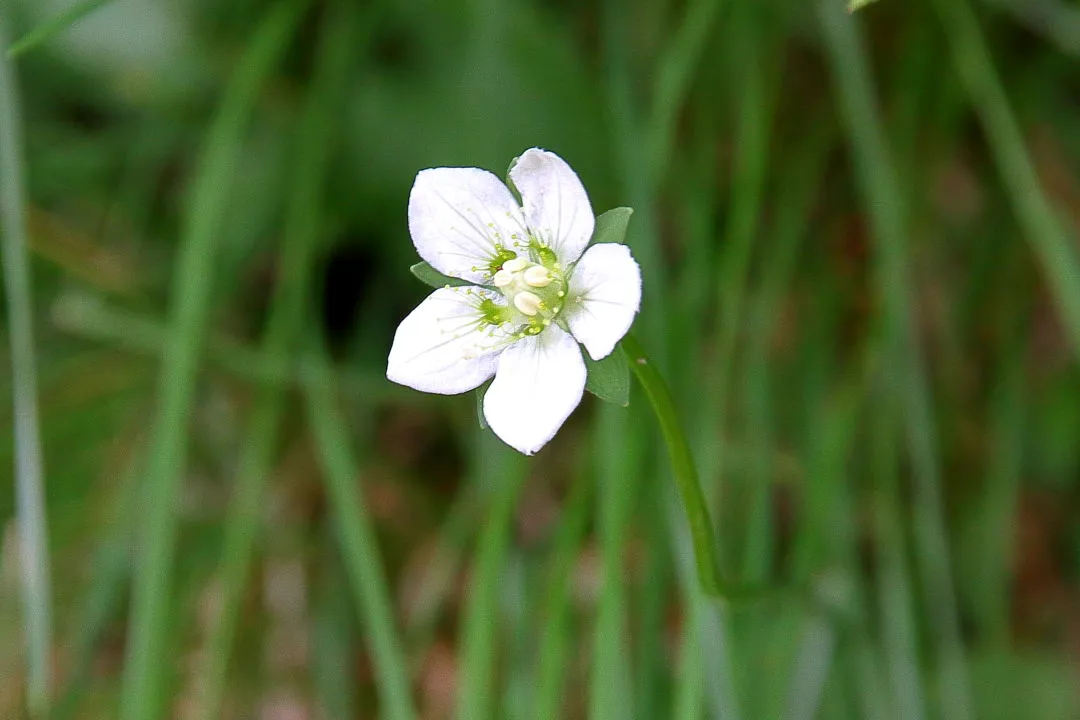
<point x="858" y="237"/>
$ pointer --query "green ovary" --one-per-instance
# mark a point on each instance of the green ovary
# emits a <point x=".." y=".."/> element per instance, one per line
<point x="493" y="313"/>
<point x="502" y="255"/>
<point x="535" y="292"/>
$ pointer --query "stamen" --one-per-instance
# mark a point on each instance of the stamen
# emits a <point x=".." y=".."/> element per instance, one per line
<point x="528" y="303"/>
<point x="537" y="276"/>
<point x="515" y="265"/>
<point x="503" y="277"/>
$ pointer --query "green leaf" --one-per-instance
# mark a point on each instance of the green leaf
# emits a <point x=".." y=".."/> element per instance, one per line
<point x="611" y="226"/>
<point x="609" y="378"/>
<point x="854" y="5"/>
<point x="430" y="276"/>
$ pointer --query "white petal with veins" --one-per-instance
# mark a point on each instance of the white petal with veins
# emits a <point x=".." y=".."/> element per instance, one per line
<point x="604" y="295"/>
<point x="443" y="346"/>
<point x="539" y="382"/>
<point x="458" y="217"/>
<point x="556" y="205"/>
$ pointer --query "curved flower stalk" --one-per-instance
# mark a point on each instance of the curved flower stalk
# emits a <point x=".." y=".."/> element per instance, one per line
<point x="522" y="291"/>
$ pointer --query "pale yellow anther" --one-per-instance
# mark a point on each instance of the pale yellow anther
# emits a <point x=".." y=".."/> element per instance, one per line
<point x="527" y="303"/>
<point x="515" y="265"/>
<point x="503" y="278"/>
<point x="537" y="276"/>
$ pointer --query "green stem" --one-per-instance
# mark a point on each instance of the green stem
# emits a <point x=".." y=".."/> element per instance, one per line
<point x="702" y="536"/>
<point x="682" y="465"/>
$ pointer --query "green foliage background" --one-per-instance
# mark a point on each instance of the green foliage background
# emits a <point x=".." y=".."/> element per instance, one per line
<point x="858" y="235"/>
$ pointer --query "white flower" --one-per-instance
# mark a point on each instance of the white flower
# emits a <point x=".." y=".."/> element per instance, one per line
<point x="537" y="293"/>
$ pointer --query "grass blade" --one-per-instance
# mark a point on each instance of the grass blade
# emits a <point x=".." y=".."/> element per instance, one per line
<point x="359" y="550"/>
<point x="750" y="173"/>
<point x="893" y="589"/>
<point x="704" y="678"/>
<point x="437" y="579"/>
<point x="1037" y="218"/>
<point x="90" y="317"/>
<point x="333" y="638"/>
<point x="1001" y="497"/>
<point x="29" y="471"/>
<point x="829" y="536"/>
<point x="315" y="136"/>
<point x="103" y="600"/>
<point x="553" y="644"/>
<point x="142" y="692"/>
<point x="882" y="199"/>
<point x="863" y="672"/>
<point x="674" y="73"/>
<point x="44" y="32"/>
<point x="609" y="695"/>
<point x="502" y="472"/>
<point x="812" y="666"/>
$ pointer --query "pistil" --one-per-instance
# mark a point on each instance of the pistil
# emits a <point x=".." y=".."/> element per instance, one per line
<point x="534" y="290"/>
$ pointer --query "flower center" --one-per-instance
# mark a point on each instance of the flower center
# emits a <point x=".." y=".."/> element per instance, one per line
<point x="536" y="291"/>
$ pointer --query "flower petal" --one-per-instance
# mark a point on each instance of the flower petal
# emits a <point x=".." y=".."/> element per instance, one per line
<point x="557" y="207"/>
<point x="538" y="384"/>
<point x="460" y="217"/>
<point x="443" y="346"/>
<point x="604" y="294"/>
